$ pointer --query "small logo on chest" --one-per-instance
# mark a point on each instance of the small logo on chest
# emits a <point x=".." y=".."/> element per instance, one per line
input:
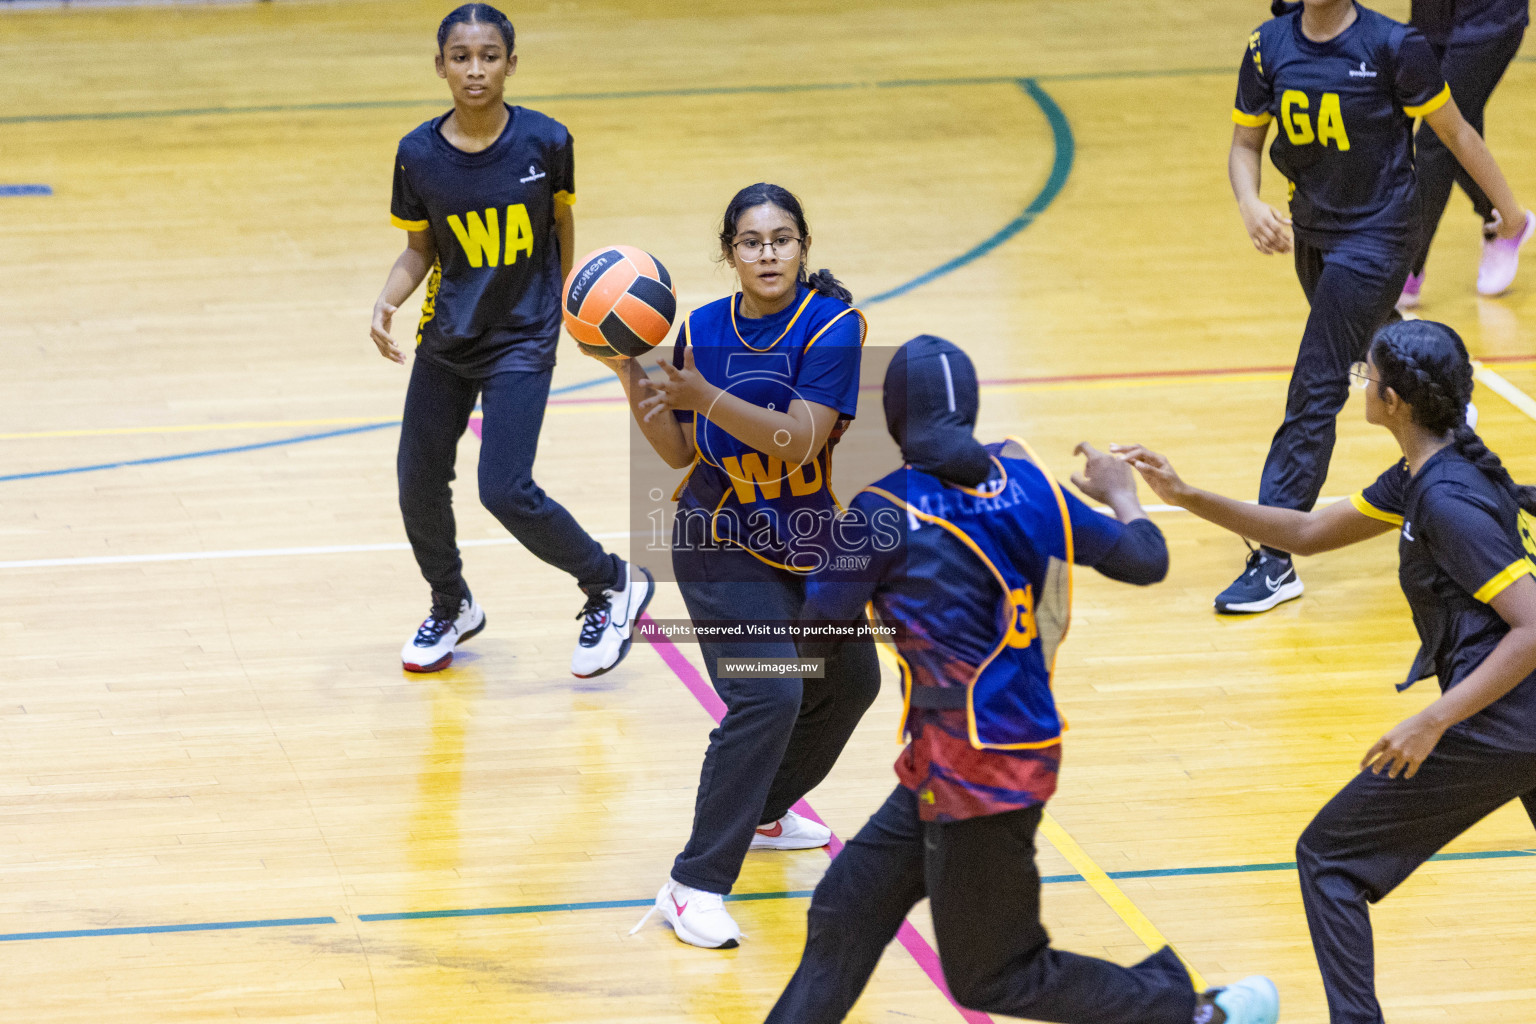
<point x="1407" y="531"/>
<point x="1361" y="72"/>
<point x="534" y="174"/>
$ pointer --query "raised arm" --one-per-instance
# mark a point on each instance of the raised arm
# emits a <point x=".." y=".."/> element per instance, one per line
<point x="405" y="276"/>
<point x="1302" y="533"/>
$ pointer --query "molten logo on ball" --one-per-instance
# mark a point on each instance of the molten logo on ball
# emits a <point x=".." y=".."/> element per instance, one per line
<point x="619" y="301"/>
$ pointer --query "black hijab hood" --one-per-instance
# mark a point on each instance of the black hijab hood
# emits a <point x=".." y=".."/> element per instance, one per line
<point x="931" y="400"/>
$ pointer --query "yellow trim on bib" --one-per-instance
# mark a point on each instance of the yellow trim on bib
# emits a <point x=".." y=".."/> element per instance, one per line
<point x="565" y="198"/>
<point x="1252" y="120"/>
<point x="409" y="225"/>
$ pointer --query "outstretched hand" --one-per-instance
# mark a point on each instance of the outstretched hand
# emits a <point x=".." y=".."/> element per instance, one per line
<point x="1103" y="477"/>
<point x="1156" y="470"/>
<point x="680" y="390"/>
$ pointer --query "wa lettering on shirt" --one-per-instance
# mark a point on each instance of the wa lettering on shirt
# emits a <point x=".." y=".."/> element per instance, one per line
<point x="482" y="239"/>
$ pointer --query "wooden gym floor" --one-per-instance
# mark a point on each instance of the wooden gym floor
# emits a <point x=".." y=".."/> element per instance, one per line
<point x="221" y="798"/>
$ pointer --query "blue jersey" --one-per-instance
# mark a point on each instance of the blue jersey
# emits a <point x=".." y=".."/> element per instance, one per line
<point x="1346" y="110"/>
<point x="810" y="350"/>
<point x="1462" y="541"/>
<point x="493" y="299"/>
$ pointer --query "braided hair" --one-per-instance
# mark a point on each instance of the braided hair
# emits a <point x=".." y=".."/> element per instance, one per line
<point x="776" y="195"/>
<point x="477" y="14"/>
<point x="1427" y="365"/>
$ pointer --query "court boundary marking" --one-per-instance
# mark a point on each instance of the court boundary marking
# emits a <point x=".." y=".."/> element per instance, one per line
<point x="1485" y="374"/>
<point x="634" y="94"/>
<point x="744" y="897"/>
<point x="1063" y="156"/>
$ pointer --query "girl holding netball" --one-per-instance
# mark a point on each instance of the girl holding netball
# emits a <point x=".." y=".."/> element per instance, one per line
<point x="1345" y="84"/>
<point x="1465" y="562"/>
<point x="485" y="193"/>
<point x="972" y="548"/>
<point x="759" y="382"/>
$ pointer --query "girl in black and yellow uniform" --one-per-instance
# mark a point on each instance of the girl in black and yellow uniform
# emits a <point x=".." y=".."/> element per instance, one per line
<point x="1345" y="84"/>
<point x="1465" y="563"/>
<point x="762" y="378"/>
<point x="485" y="192"/>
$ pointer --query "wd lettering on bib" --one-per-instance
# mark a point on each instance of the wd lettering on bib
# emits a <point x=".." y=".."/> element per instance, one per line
<point x="749" y="475"/>
<point x="481" y="237"/>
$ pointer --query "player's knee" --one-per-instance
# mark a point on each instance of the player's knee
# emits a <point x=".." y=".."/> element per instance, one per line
<point x="511" y="499"/>
<point x="982" y="990"/>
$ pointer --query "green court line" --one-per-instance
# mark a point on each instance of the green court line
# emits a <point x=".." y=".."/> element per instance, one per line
<point x="546" y="908"/>
<point x="631" y="94"/>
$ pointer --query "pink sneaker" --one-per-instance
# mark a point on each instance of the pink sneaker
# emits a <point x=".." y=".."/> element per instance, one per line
<point x="1501" y="258"/>
<point x="1410" y="297"/>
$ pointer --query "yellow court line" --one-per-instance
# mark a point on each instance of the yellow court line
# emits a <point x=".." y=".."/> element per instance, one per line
<point x="1094" y="875"/>
<point x="1148" y="382"/>
<point x="1112" y="894"/>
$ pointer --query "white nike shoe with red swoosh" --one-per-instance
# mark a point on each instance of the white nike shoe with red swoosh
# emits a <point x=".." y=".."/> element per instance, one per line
<point x="699" y="918"/>
<point x="791" y="832"/>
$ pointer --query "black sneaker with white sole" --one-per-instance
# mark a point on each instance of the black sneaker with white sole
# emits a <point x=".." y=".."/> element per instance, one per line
<point x="431" y="649"/>
<point x="1265" y="582"/>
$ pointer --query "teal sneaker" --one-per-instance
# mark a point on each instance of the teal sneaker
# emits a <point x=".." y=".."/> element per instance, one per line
<point x="1254" y="1000"/>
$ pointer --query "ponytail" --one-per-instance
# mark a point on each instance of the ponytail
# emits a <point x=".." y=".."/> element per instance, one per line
<point x="824" y="283"/>
<point x="1427" y="365"/>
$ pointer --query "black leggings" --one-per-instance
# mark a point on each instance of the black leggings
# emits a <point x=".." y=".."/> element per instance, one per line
<point x="1351" y="289"/>
<point x="781" y="736"/>
<point x="984" y="894"/>
<point x="1374" y="834"/>
<point x="438" y="404"/>
<point x="1472" y="73"/>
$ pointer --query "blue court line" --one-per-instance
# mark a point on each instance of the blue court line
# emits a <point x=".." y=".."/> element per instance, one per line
<point x="159" y="929"/>
<point x="26" y="190"/>
<point x="1061" y="168"/>
<point x="547" y="908"/>
<point x="204" y="453"/>
<point x="200" y="454"/>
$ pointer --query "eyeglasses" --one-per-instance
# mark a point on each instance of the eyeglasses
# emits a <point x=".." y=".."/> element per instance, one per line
<point x="1359" y="375"/>
<point x="750" y="250"/>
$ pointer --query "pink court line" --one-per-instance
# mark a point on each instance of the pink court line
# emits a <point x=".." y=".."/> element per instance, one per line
<point x="907" y="935"/>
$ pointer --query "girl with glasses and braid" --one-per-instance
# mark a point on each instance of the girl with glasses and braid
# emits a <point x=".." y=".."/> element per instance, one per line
<point x="1465" y="560"/>
<point x="760" y="386"/>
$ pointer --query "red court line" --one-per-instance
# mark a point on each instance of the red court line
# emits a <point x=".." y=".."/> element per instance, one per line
<point x="907" y="935"/>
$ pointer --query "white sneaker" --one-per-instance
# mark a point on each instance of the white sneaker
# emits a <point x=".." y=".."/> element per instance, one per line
<point x="791" y="832"/>
<point x="431" y="649"/>
<point x="699" y="918"/>
<point x="1501" y="258"/>
<point x="608" y="623"/>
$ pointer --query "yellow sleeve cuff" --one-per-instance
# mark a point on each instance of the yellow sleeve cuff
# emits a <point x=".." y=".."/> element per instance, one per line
<point x="1424" y="109"/>
<point x="409" y="225"/>
<point x="1496" y="586"/>
<point x="1365" y="508"/>
<point x="1251" y="120"/>
<point x="565" y="198"/>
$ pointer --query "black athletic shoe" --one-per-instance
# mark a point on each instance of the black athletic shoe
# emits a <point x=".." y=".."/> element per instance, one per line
<point x="1265" y="582"/>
